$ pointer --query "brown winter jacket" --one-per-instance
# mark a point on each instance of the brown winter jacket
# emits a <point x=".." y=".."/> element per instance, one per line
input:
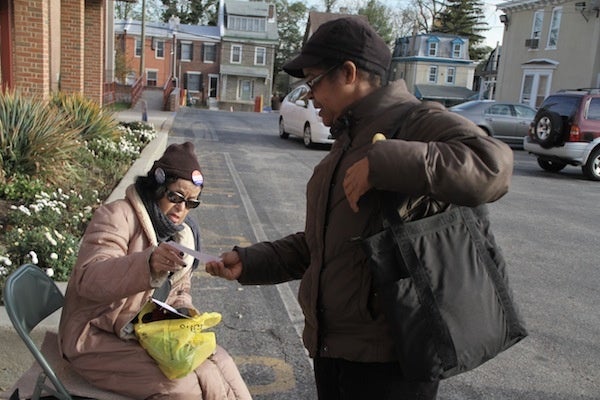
<point x="439" y="158"/>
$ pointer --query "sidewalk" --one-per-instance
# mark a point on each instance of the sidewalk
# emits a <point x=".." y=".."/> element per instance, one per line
<point x="15" y="357"/>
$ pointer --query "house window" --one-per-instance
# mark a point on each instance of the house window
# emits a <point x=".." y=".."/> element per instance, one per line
<point x="151" y="77"/>
<point x="404" y="49"/>
<point x="138" y="48"/>
<point x="159" y="51"/>
<point x="554" y="28"/>
<point x="432" y="46"/>
<point x="450" y="75"/>
<point x="246" y="90"/>
<point x="210" y="53"/>
<point x="193" y="82"/>
<point x="186" y="51"/>
<point x="535" y="87"/>
<point x="247" y="24"/>
<point x="432" y="49"/>
<point x="433" y="74"/>
<point x="457" y="47"/>
<point x="260" y="56"/>
<point x="538" y="20"/>
<point x="236" y="54"/>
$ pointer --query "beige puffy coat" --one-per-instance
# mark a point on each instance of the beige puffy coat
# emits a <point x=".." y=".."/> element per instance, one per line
<point x="110" y="283"/>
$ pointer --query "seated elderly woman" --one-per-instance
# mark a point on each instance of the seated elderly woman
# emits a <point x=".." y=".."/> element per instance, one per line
<point x="124" y="261"/>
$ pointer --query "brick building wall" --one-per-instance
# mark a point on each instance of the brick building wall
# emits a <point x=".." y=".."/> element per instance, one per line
<point x="31" y="47"/>
<point x="72" y="43"/>
<point x="93" y="47"/>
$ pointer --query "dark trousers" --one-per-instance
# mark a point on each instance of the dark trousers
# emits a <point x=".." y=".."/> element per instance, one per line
<point x="339" y="379"/>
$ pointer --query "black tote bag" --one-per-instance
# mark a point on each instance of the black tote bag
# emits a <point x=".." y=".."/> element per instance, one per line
<point x="445" y="291"/>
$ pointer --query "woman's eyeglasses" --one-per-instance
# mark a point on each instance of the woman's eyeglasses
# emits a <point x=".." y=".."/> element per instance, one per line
<point x="311" y="84"/>
<point x="176" y="198"/>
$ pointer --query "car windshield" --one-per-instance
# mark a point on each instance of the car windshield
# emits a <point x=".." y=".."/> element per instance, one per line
<point x="565" y="106"/>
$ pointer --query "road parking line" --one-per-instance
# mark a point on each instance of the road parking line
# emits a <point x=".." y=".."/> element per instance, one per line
<point x="285" y="292"/>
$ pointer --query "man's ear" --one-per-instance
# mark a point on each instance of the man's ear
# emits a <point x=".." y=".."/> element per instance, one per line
<point x="350" y="72"/>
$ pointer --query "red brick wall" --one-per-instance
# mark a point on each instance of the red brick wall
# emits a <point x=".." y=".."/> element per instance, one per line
<point x="72" y="52"/>
<point x="94" y="49"/>
<point x="31" y="47"/>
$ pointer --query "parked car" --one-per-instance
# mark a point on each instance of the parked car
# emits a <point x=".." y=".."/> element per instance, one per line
<point x="508" y="122"/>
<point x="566" y="131"/>
<point x="299" y="117"/>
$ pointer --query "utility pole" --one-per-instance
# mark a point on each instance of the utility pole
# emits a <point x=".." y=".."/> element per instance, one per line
<point x="143" y="38"/>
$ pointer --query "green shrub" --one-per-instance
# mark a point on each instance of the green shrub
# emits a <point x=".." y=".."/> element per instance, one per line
<point x="45" y="220"/>
<point x="86" y="116"/>
<point x="35" y="140"/>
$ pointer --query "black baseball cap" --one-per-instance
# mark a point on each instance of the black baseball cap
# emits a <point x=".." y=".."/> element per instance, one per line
<point x="347" y="38"/>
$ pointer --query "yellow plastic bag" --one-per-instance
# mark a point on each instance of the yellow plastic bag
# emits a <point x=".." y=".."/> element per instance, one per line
<point x="177" y="345"/>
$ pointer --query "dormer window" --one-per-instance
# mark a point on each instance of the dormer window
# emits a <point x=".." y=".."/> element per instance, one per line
<point x="457" y="48"/>
<point x="432" y="46"/>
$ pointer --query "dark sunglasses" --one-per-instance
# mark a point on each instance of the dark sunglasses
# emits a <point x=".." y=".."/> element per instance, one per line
<point x="176" y="198"/>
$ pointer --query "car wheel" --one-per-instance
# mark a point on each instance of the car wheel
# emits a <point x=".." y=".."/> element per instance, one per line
<point x="282" y="133"/>
<point x="547" y="129"/>
<point x="551" y="166"/>
<point x="591" y="168"/>
<point x="307" y="137"/>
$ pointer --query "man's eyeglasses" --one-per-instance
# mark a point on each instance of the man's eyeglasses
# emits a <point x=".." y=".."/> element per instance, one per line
<point x="176" y="198"/>
<point x="311" y="84"/>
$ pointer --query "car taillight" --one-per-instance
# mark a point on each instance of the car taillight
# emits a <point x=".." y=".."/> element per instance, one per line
<point x="574" y="134"/>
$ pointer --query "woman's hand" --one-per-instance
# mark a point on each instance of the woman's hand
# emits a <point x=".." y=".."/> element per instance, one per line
<point x="230" y="266"/>
<point x="166" y="258"/>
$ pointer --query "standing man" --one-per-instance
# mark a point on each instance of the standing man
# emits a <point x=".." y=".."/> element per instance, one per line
<point x="436" y="159"/>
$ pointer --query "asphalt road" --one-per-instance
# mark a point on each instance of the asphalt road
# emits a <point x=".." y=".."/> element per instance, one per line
<point x="547" y="226"/>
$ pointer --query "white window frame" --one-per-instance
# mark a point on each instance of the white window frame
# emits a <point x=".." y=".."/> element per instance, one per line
<point x="537" y="92"/>
<point x="159" y="47"/>
<point x="233" y="59"/>
<point x="457" y="49"/>
<point x="451" y="75"/>
<point x="196" y="73"/>
<point x="257" y="55"/>
<point x="151" y="71"/>
<point x="537" y="24"/>
<point x="137" y="47"/>
<point x="213" y="46"/>
<point x="241" y="84"/>
<point x="432" y="73"/>
<point x="190" y="52"/>
<point x="554" y="29"/>
<point x="432" y="48"/>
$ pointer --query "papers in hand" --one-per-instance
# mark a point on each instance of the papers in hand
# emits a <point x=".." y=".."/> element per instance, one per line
<point x="198" y="255"/>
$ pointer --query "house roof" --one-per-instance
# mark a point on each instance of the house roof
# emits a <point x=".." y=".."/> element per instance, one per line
<point x="247" y="8"/>
<point x="164" y="30"/>
<point x="439" y="92"/>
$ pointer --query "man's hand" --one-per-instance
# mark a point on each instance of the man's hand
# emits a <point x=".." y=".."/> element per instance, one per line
<point x="356" y="182"/>
<point x="230" y="266"/>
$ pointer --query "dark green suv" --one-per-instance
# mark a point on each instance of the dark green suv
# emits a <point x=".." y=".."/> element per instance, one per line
<point x="566" y="131"/>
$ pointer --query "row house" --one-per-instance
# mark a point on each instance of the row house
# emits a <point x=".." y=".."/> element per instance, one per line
<point x="435" y="66"/>
<point x="187" y="53"/>
<point x="249" y="38"/>
<point x="548" y="46"/>
<point x="227" y="66"/>
<point x="48" y="45"/>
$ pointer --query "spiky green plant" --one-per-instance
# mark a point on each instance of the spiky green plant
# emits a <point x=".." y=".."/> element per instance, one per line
<point x="35" y="140"/>
<point x="86" y="115"/>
